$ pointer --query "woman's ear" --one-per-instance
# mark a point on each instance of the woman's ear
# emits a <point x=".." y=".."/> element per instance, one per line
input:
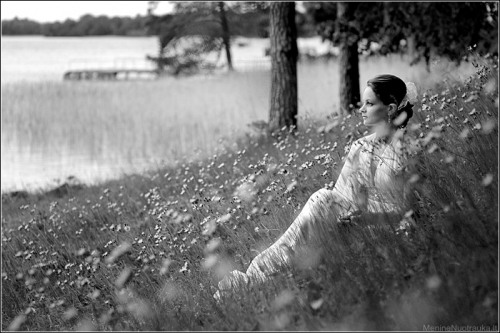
<point x="392" y="109"/>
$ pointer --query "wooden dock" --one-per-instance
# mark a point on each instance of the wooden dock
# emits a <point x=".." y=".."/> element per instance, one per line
<point x="110" y="74"/>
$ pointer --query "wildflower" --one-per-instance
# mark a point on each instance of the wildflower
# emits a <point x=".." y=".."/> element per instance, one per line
<point x="433" y="282"/>
<point x="15" y="325"/>
<point x="449" y="159"/>
<point x="225" y="218"/>
<point x="465" y="133"/>
<point x="317" y="304"/>
<point x="118" y="252"/>
<point x="433" y="148"/>
<point x="487" y="180"/>
<point x="283" y="299"/>
<point x="291" y="186"/>
<point x="209" y="262"/>
<point x="85" y="325"/>
<point x="165" y="265"/>
<point x="213" y="245"/>
<point x="471" y="98"/>
<point x="209" y="227"/>
<point x="70" y="313"/>
<point x="94" y="294"/>
<point x="184" y="268"/>
<point x="123" y="278"/>
<point x="490" y="86"/>
<point x="330" y="126"/>
<point x="488" y="126"/>
<point x="246" y="191"/>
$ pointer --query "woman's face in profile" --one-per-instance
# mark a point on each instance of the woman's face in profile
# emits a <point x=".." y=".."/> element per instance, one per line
<point x="373" y="111"/>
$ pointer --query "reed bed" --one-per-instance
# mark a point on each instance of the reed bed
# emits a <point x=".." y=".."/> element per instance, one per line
<point x="158" y="122"/>
<point x="145" y="252"/>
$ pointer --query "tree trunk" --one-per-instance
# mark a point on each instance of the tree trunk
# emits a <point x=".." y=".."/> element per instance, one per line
<point x="387" y="17"/>
<point x="225" y="34"/>
<point x="427" y="56"/>
<point x="284" y="52"/>
<point x="348" y="57"/>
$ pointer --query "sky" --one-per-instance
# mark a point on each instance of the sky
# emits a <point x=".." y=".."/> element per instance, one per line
<point x="51" y="11"/>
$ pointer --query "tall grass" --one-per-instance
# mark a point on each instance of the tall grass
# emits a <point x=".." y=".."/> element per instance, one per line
<point x="145" y="252"/>
<point x="132" y="124"/>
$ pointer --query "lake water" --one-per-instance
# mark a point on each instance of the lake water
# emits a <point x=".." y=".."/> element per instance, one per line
<point x="37" y="58"/>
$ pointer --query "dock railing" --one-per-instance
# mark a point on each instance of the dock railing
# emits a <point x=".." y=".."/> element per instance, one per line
<point x="116" y="69"/>
<point x="139" y="68"/>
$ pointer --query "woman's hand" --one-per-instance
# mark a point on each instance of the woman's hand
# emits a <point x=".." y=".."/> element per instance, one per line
<point x="351" y="218"/>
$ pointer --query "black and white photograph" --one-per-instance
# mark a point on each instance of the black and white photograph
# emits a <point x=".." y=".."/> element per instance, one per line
<point x="249" y="166"/>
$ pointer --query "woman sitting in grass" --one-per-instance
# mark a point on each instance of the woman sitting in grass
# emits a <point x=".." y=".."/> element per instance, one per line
<point x="369" y="183"/>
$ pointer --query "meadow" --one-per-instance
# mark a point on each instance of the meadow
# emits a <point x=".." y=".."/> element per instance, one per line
<point x="145" y="252"/>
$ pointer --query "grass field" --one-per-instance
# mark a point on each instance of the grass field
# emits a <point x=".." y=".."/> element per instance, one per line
<point x="145" y="252"/>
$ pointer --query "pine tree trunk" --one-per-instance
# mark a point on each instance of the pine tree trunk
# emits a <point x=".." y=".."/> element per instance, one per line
<point x="284" y="52"/>
<point x="387" y="17"/>
<point x="348" y="57"/>
<point x="225" y="34"/>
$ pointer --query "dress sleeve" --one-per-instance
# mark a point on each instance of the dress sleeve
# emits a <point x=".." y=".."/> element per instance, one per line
<point x="347" y="182"/>
<point x="388" y="193"/>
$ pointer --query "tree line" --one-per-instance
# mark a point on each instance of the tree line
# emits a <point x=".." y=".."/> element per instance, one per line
<point x="249" y="19"/>
<point x="86" y="25"/>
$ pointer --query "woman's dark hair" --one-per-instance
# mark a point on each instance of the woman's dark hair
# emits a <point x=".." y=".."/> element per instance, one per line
<point x="391" y="89"/>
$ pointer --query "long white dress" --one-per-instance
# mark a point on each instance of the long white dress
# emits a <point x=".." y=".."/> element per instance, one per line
<point x="367" y="182"/>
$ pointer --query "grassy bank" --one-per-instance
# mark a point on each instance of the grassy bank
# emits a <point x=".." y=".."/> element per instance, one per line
<point x="145" y="252"/>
